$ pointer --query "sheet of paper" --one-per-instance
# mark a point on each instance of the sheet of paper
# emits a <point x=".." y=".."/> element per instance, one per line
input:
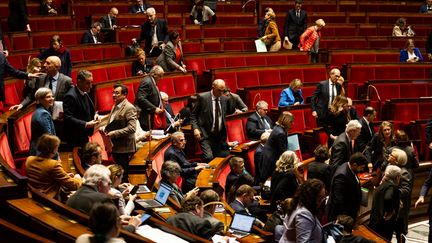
<point x="260" y="46"/>
<point x="158" y="235"/>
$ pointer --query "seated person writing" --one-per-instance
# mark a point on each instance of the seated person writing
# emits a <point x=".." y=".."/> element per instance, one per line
<point x="292" y="95"/>
<point x="410" y="53"/>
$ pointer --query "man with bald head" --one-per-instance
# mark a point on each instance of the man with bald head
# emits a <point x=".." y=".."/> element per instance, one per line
<point x="323" y="96"/>
<point x="208" y="121"/>
<point x="109" y="24"/>
<point x="53" y="79"/>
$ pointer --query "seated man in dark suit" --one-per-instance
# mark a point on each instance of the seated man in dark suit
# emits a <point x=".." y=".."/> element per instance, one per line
<point x="139" y="7"/>
<point x="189" y="171"/>
<point x="319" y="169"/>
<point x="211" y="200"/>
<point x="244" y="198"/>
<point x="173" y="123"/>
<point x="191" y="218"/>
<point x="109" y="25"/>
<point x="91" y="36"/>
<point x="258" y="122"/>
<point x="237" y="177"/>
<point x="367" y="131"/>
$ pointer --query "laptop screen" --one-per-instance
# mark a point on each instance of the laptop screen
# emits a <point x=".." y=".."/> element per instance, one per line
<point x="163" y="193"/>
<point x="242" y="222"/>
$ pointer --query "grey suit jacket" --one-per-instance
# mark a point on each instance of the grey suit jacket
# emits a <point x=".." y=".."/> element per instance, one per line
<point x="168" y="56"/>
<point x="123" y="127"/>
<point x="147" y="99"/>
<point x="64" y="83"/>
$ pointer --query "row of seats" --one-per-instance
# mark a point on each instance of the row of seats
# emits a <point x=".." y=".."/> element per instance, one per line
<point x="368" y="17"/>
<point x="391" y="89"/>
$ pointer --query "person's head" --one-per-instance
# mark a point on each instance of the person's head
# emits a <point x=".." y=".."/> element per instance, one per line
<point x="346" y="221"/>
<point x="261" y="108"/>
<point x="56" y="42"/>
<point x="341" y="81"/>
<point x="319" y="23"/>
<point x="116" y="174"/>
<point x="218" y="87"/>
<point x="353" y="129"/>
<point x="237" y="165"/>
<point x="334" y="75"/>
<point x="311" y="194"/>
<point x="92" y="153"/>
<point x="267" y="10"/>
<point x="49" y="2"/>
<point x="104" y="221"/>
<point x="140" y="55"/>
<point x="288" y="160"/>
<point x="52" y="65"/>
<point x="298" y="4"/>
<point x="264" y="137"/>
<point x="401" y="138"/>
<point x="157" y="73"/>
<point x="96" y="27"/>
<point x="358" y="162"/>
<point x="321" y="153"/>
<point x="98" y="176"/>
<point x="340" y="103"/>
<point x="429" y="2"/>
<point x="84" y="80"/>
<point x="245" y="194"/>
<point x="295" y="85"/>
<point x="398" y="157"/>
<point x="369" y="113"/>
<point x="44" y="97"/>
<point x="409" y="45"/>
<point x="209" y="196"/>
<point x="285" y="120"/>
<point x="170" y="171"/>
<point x="193" y="204"/>
<point x="138" y="2"/>
<point x="392" y="174"/>
<point x="178" y="140"/>
<point x="151" y="15"/>
<point x="120" y="92"/>
<point x="401" y="22"/>
<point x="227" y="92"/>
<point x="174" y="37"/>
<point x="113" y="12"/>
<point x="386" y="131"/>
<point x="270" y="16"/>
<point x="164" y="98"/>
<point x="47" y="145"/>
<point x="34" y="66"/>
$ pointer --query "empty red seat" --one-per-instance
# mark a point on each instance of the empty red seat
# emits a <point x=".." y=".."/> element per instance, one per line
<point x="5" y="151"/>
<point x="235" y="131"/>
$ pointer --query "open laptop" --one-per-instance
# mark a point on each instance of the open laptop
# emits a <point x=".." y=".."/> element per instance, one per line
<point x="159" y="200"/>
<point x="145" y="188"/>
<point x="241" y="225"/>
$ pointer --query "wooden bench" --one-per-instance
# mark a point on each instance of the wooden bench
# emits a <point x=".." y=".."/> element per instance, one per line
<point x="12" y="233"/>
<point x="12" y="184"/>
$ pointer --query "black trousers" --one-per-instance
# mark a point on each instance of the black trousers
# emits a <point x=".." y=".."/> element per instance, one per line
<point x="123" y="160"/>
<point x="214" y="146"/>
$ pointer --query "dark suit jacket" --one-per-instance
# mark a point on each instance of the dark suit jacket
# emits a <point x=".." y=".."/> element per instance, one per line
<point x="147" y="99"/>
<point x="108" y="33"/>
<point x="425" y="188"/>
<point x="386" y="200"/>
<point x="255" y="126"/>
<point x="365" y="135"/>
<point x="341" y="151"/>
<point x="78" y="109"/>
<point x="147" y="31"/>
<point x="84" y="199"/>
<point x="137" y="66"/>
<point x="429" y="44"/>
<point x="188" y="172"/>
<point x="345" y="194"/>
<point x="202" y="115"/>
<point x="124" y="126"/>
<point x="283" y="185"/>
<point x="273" y="149"/>
<point x="87" y="38"/>
<point x="41" y="122"/>
<point x="167" y="59"/>
<point x="294" y="26"/>
<point x="423" y="8"/>
<point x="320" y="99"/>
<point x="193" y="224"/>
<point x="6" y="68"/>
<point x="65" y="58"/>
<point x="64" y="83"/>
<point x="258" y="159"/>
<point x="429" y="132"/>
<point x="321" y="171"/>
<point x="136" y="8"/>
<point x="238" y="207"/>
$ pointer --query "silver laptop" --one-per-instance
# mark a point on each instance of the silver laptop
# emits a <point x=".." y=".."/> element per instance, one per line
<point x="241" y="225"/>
<point x="159" y="200"/>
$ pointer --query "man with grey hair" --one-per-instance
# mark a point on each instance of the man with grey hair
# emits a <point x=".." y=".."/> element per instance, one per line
<point x="208" y="121"/>
<point x="148" y="99"/>
<point x="53" y="79"/>
<point x="80" y="117"/>
<point x="189" y="170"/>
<point x="211" y="199"/>
<point x="258" y="122"/>
<point x="344" y="145"/>
<point x="109" y="25"/>
<point x="323" y="96"/>
<point x="91" y="36"/>
<point x="173" y="123"/>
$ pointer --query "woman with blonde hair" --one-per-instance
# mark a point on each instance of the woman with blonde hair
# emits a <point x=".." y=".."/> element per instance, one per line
<point x="116" y="178"/>
<point x="292" y="95"/>
<point x="337" y="118"/>
<point x="379" y="147"/>
<point x="271" y="35"/>
<point x="410" y="53"/>
<point x="285" y="179"/>
<point x="141" y="66"/>
<point x="309" y="40"/>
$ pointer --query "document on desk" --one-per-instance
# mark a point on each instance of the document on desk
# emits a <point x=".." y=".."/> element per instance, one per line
<point x="158" y="235"/>
<point x="158" y="134"/>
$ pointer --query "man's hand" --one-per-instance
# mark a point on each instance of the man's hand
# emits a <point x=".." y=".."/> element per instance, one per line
<point x="200" y="167"/>
<point x="34" y="75"/>
<point x="430" y="56"/>
<point x="91" y="124"/>
<point x="314" y="114"/>
<point x="158" y="110"/>
<point x="16" y="107"/>
<point x="197" y="134"/>
<point x="420" y="200"/>
<point x="193" y="192"/>
<point x="182" y="69"/>
<point x="237" y="111"/>
<point x="134" y="41"/>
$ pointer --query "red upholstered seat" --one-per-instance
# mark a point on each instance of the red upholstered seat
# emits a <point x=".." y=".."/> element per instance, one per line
<point x="104" y="99"/>
<point x="118" y="72"/>
<point x="247" y="79"/>
<point x="196" y="64"/>
<point x="93" y="54"/>
<point x="386" y="91"/>
<point x="299" y="121"/>
<point x="216" y="62"/>
<point x="166" y="85"/>
<point x="230" y="79"/>
<point x="425" y="110"/>
<point x="250" y="163"/>
<point x="256" y="61"/>
<point x="184" y="86"/>
<point x="191" y="47"/>
<point x="387" y="73"/>
<point x="112" y="52"/>
<point x="406" y="112"/>
<point x="22" y="133"/>
<point x="99" y="75"/>
<point x="177" y="106"/>
<point x="235" y="131"/>
<point x="158" y="160"/>
<point x="236" y="62"/>
<point x="314" y="74"/>
<point x="97" y="138"/>
<point x="287" y="75"/>
<point x="267" y="77"/>
<point x="12" y="97"/>
<point x="5" y="151"/>
<point x="222" y="176"/>
<point x="21" y="43"/>
<point x="77" y="55"/>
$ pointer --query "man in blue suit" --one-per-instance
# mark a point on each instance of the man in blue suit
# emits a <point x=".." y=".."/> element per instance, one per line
<point x="426" y="7"/>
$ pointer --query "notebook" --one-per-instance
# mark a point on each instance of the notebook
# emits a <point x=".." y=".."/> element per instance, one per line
<point x="159" y="200"/>
<point x="241" y="225"/>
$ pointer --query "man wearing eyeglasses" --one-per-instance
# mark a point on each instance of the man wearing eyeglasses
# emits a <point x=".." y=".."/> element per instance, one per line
<point x="258" y="122"/>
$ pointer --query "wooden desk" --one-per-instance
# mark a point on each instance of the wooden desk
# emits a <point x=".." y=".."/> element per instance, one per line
<point x="12" y="184"/>
<point x="138" y="163"/>
<point x="207" y="178"/>
<point x="364" y="231"/>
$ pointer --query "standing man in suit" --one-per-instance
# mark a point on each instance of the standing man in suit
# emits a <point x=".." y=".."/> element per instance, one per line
<point x="208" y="121"/>
<point x="53" y="79"/>
<point x="345" y="144"/>
<point x="258" y="122"/>
<point x="295" y="24"/>
<point x="345" y="189"/>
<point x="139" y="7"/>
<point x="148" y="98"/>
<point x="79" y="112"/>
<point x="3" y="47"/>
<point x="155" y="34"/>
<point x="109" y="25"/>
<point x="367" y="130"/>
<point x="121" y="129"/>
<point x="323" y="96"/>
<point x="91" y="36"/>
